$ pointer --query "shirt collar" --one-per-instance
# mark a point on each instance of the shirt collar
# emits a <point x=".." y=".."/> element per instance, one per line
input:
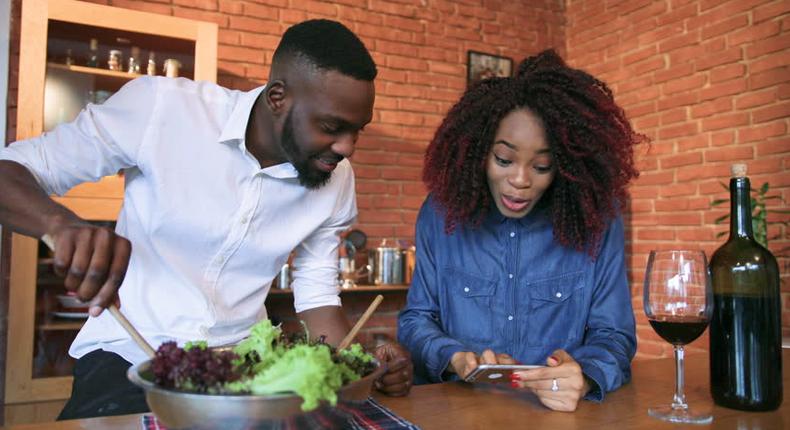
<point x="235" y="131"/>
<point x="236" y="126"/>
<point x="538" y="216"/>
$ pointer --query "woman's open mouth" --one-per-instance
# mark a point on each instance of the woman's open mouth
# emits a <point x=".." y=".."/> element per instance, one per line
<point x="515" y="204"/>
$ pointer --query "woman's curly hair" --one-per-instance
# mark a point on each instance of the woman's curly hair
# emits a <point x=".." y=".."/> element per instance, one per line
<point x="589" y="135"/>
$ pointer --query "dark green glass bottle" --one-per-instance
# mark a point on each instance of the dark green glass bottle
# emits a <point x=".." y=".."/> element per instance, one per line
<point x="745" y="330"/>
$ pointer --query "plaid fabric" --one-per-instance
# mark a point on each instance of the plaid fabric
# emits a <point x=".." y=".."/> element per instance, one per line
<point x="356" y="416"/>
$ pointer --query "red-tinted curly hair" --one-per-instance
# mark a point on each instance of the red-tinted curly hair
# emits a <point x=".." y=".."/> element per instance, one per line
<point x="590" y="138"/>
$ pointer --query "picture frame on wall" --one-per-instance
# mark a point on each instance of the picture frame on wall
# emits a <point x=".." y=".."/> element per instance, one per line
<point x="480" y="65"/>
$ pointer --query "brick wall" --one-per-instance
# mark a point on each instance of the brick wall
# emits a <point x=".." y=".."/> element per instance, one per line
<point x="709" y="82"/>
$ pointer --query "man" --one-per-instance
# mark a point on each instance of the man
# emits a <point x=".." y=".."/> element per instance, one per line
<point x="220" y="186"/>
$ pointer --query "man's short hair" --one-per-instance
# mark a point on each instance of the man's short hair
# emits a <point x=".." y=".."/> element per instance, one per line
<point x="327" y="45"/>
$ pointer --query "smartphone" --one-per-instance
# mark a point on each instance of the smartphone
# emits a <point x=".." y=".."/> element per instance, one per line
<point x="496" y="373"/>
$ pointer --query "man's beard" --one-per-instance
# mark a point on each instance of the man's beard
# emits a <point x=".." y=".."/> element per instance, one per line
<point x="309" y="176"/>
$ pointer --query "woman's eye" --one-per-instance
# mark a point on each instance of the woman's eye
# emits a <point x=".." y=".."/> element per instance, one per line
<point x="502" y="161"/>
<point x="543" y="169"/>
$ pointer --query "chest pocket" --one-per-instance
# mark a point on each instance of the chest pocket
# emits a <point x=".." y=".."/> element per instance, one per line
<point x="467" y="314"/>
<point x="556" y="310"/>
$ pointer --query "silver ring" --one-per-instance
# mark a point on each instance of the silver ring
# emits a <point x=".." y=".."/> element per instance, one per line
<point x="554" y="385"/>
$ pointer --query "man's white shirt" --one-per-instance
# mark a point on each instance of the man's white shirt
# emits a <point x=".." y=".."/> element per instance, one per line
<point x="209" y="228"/>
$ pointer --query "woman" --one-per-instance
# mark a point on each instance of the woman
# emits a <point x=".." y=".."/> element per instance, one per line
<point x="520" y="246"/>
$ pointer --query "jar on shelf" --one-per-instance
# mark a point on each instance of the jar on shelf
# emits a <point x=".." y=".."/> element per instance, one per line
<point x="114" y="62"/>
<point x="171" y="67"/>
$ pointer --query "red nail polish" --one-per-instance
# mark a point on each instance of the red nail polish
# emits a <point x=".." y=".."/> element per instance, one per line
<point x="513" y="384"/>
<point x="515" y="377"/>
<point x="554" y="358"/>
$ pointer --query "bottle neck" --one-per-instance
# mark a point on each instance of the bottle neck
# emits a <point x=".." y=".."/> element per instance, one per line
<point x="740" y="209"/>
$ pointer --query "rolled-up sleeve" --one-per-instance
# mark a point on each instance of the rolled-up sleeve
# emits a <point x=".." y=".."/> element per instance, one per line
<point x="419" y="326"/>
<point x="610" y="338"/>
<point x="102" y="140"/>
<point x="315" y="276"/>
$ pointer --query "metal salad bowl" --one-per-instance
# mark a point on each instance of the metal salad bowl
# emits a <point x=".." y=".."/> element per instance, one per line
<point x="184" y="410"/>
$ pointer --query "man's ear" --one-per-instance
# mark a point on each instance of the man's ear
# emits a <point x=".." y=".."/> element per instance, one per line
<point x="277" y="97"/>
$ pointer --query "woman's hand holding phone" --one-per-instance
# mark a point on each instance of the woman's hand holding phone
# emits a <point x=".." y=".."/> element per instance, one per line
<point x="463" y="363"/>
<point x="559" y="386"/>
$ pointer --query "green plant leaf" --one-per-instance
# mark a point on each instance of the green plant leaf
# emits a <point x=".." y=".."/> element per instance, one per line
<point x="721" y="219"/>
<point x="719" y="201"/>
<point x="764" y="188"/>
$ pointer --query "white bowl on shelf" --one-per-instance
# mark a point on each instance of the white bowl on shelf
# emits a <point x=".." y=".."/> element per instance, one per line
<point x="68" y="301"/>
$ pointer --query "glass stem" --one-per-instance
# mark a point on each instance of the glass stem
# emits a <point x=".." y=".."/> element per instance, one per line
<point x="679" y="402"/>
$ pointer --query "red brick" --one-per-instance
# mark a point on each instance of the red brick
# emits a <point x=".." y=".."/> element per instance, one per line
<point x="722" y="138"/>
<point x="777" y="8"/>
<point x="656" y="234"/>
<point x="725" y="73"/>
<point x="693" y="142"/>
<point x="718" y="58"/>
<point x="777" y="146"/>
<point x="399" y="173"/>
<point x="775" y="111"/>
<point x="237" y="53"/>
<point x="722" y="89"/>
<point x="255" y="25"/>
<point x="677" y="131"/>
<point x="706" y="171"/>
<point x="779" y="59"/>
<point x="162" y="9"/>
<point x="712" y="107"/>
<point x="754" y="32"/>
<point x="678" y="100"/>
<point x="729" y="154"/>
<point x="726" y="26"/>
<point x="674" y="72"/>
<point x="679" y="219"/>
<point x="765" y="46"/>
<point x="754" y="99"/>
<point x="762" y="132"/>
<point x="731" y="120"/>
<point x="200" y="15"/>
<point x="687" y="159"/>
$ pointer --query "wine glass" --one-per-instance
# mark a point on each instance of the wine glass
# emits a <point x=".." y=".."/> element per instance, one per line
<point x="678" y="300"/>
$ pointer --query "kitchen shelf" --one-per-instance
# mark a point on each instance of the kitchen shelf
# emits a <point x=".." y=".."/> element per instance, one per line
<point x="95" y="71"/>
<point x="357" y="289"/>
<point x="62" y="325"/>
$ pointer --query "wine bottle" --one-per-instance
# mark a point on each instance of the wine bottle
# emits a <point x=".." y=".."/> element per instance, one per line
<point x="745" y="330"/>
<point x="93" y="55"/>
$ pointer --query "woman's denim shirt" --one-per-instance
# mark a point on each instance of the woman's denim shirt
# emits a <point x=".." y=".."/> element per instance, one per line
<point x="508" y="286"/>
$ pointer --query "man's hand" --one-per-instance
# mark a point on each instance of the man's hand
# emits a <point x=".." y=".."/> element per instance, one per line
<point x="397" y="380"/>
<point x="464" y="362"/>
<point x="559" y="386"/>
<point x="93" y="261"/>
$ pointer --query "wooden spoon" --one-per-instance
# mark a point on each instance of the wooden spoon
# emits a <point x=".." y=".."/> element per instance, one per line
<point x="135" y="335"/>
<point x="362" y="320"/>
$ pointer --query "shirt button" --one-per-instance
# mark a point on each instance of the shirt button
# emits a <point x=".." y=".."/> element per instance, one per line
<point x="466" y="289"/>
<point x="510" y="317"/>
<point x="558" y="295"/>
<point x="510" y="275"/>
<point x="512" y="234"/>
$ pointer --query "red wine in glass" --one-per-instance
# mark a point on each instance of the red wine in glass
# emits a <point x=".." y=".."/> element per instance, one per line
<point x="679" y="330"/>
<point x="678" y="300"/>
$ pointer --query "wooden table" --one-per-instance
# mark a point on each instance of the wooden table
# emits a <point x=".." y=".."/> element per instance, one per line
<point x="459" y="406"/>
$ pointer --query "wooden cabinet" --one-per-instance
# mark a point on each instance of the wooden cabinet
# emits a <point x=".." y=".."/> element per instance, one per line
<point x="60" y="70"/>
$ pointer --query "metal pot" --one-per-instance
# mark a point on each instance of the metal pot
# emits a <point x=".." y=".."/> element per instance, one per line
<point x="386" y="265"/>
